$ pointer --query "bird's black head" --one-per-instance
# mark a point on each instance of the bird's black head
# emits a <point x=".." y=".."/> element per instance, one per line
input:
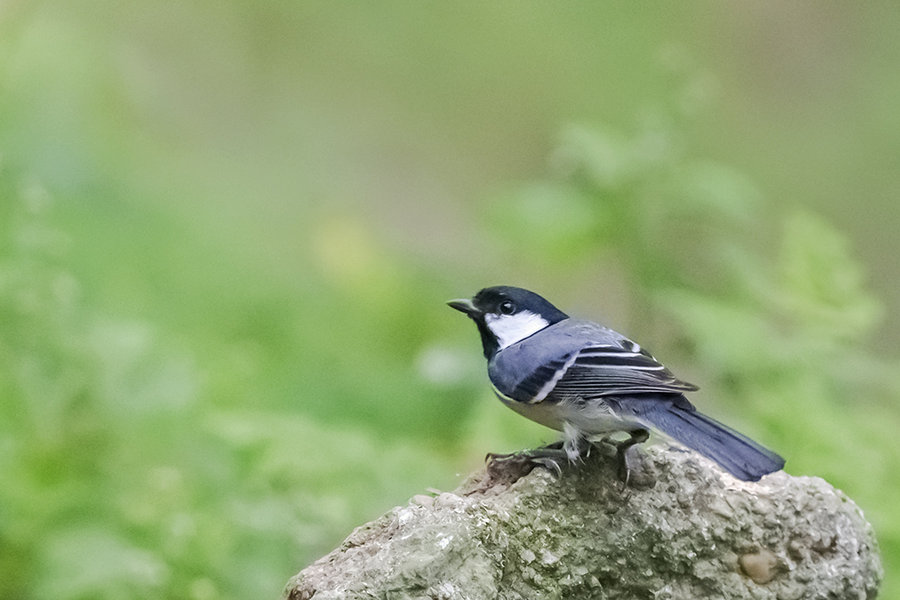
<point x="505" y="315"/>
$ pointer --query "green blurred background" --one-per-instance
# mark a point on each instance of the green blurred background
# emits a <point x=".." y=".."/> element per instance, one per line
<point x="227" y="231"/>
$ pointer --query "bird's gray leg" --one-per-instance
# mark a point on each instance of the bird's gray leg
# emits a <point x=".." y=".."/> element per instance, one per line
<point x="627" y="454"/>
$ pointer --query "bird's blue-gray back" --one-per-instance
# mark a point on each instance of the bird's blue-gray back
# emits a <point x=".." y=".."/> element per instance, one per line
<point x="583" y="359"/>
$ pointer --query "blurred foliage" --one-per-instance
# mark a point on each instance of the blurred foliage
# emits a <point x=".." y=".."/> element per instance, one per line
<point x="131" y="467"/>
<point x="227" y="232"/>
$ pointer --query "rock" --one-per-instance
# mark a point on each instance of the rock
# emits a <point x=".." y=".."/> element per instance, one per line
<point x="696" y="533"/>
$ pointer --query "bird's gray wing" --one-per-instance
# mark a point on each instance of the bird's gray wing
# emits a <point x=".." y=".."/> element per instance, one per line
<point x="599" y="370"/>
<point x="608" y="370"/>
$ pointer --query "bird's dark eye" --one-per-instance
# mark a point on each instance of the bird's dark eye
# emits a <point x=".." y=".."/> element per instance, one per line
<point x="507" y="307"/>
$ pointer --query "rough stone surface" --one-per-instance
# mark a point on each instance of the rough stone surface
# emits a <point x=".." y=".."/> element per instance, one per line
<point x="696" y="533"/>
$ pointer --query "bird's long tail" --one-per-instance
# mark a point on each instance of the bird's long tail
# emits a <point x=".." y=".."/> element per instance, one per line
<point x="733" y="451"/>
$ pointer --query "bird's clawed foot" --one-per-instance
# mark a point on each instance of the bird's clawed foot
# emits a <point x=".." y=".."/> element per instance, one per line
<point x="552" y="457"/>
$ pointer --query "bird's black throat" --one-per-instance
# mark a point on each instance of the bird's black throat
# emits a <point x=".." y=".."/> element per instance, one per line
<point x="489" y="342"/>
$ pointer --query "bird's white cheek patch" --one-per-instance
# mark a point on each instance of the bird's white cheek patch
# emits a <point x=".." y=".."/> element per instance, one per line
<point x="510" y="329"/>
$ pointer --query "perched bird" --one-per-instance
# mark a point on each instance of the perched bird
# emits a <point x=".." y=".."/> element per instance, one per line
<point x="589" y="381"/>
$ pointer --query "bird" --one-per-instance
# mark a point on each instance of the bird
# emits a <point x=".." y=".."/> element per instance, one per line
<point x="590" y="383"/>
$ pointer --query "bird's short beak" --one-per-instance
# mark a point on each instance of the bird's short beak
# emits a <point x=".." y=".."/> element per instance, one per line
<point x="464" y="306"/>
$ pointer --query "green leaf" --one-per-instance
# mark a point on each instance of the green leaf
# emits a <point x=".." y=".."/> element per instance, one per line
<point x="821" y="285"/>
